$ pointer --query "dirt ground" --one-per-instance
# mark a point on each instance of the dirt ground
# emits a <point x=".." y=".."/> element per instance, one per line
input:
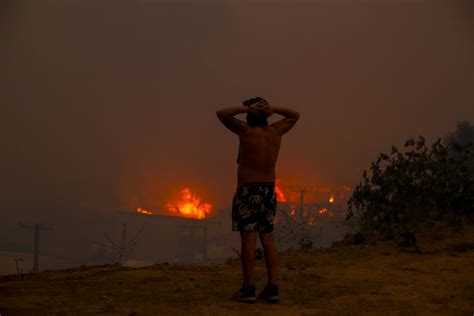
<point x="377" y="278"/>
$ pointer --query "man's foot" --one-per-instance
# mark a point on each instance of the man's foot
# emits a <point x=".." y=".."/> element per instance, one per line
<point x="245" y="294"/>
<point x="270" y="293"/>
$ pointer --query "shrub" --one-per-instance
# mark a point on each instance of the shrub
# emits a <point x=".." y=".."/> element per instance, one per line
<point x="402" y="190"/>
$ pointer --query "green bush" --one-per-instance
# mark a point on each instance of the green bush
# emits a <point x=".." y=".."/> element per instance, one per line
<point x="402" y="190"/>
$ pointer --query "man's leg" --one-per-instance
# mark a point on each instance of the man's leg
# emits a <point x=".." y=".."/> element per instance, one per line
<point x="247" y="256"/>
<point x="271" y="256"/>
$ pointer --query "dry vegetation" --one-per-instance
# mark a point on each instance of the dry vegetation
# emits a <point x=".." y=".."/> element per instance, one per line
<point x="435" y="277"/>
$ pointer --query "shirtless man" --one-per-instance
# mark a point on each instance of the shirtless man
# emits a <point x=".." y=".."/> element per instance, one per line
<point x="254" y="202"/>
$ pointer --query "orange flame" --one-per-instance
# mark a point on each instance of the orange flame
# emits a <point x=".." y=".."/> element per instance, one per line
<point x="323" y="210"/>
<point x="279" y="193"/>
<point x="190" y="206"/>
<point x="331" y="199"/>
<point x="142" y="211"/>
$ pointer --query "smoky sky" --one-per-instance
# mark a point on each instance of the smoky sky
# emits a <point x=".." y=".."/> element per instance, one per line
<point x="110" y="105"/>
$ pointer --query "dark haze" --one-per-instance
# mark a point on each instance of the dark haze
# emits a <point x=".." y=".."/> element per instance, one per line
<point x="110" y="105"/>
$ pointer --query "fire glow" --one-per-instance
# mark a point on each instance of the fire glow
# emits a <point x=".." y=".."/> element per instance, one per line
<point x="279" y="193"/>
<point x="142" y="211"/>
<point x="190" y="205"/>
<point x="323" y="210"/>
<point x="293" y="211"/>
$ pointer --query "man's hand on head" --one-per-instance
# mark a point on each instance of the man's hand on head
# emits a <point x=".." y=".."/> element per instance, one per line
<point x="261" y="108"/>
<point x="226" y="116"/>
<point x="268" y="109"/>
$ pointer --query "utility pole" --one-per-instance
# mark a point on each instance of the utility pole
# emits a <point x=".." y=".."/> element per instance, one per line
<point x="122" y="248"/>
<point x="299" y="215"/>
<point x="37" y="228"/>
<point x="204" y="252"/>
<point x="18" y="271"/>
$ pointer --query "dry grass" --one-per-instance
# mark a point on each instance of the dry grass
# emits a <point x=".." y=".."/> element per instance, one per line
<point x="374" y="279"/>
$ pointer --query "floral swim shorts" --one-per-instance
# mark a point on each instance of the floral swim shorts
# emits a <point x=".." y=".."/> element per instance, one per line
<point x="253" y="207"/>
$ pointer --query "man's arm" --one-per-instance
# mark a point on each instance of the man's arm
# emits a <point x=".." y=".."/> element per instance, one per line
<point x="284" y="125"/>
<point x="226" y="116"/>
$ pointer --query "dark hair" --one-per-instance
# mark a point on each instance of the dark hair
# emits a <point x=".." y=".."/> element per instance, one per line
<point x="251" y="101"/>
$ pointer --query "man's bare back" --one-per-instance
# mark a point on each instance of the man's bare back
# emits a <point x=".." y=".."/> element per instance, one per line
<point x="259" y="148"/>
<point x="259" y="145"/>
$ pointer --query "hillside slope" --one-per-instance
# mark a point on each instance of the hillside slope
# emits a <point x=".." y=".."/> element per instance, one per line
<point x="372" y="279"/>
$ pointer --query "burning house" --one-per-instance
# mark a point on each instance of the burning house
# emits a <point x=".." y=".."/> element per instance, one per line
<point x="187" y="231"/>
<point x="192" y="231"/>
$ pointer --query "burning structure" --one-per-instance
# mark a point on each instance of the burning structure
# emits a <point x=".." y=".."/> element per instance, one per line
<point x="191" y="230"/>
<point x="310" y="217"/>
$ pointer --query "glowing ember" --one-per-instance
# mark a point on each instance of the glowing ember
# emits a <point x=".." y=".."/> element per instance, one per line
<point x="323" y="210"/>
<point x="279" y="193"/>
<point x="190" y="206"/>
<point x="293" y="211"/>
<point x="142" y="211"/>
<point x="312" y="222"/>
<point x="331" y="199"/>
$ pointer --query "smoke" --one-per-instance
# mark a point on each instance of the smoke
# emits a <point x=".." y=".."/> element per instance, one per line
<point x="111" y="105"/>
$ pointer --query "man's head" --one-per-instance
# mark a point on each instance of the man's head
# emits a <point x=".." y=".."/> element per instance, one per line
<point x="258" y="114"/>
